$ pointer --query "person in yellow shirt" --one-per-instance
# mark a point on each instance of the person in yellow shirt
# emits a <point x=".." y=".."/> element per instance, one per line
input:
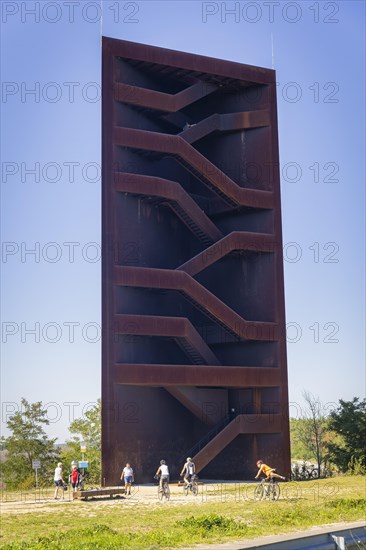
<point x="267" y="471"/>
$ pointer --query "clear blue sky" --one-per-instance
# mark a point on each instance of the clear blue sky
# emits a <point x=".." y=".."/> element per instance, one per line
<point x="55" y="130"/>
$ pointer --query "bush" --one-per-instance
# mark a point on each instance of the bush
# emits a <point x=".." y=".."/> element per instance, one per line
<point x="212" y="522"/>
<point x="356" y="467"/>
<point x="347" y="504"/>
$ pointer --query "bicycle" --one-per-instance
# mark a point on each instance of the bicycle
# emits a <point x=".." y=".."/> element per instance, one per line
<point x="313" y="473"/>
<point x="81" y="484"/>
<point x="304" y="472"/>
<point x="267" y="489"/>
<point x="192" y="486"/>
<point x="164" y="490"/>
<point x="84" y="485"/>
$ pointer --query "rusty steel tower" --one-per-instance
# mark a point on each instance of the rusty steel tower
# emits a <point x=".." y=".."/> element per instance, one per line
<point x="194" y="343"/>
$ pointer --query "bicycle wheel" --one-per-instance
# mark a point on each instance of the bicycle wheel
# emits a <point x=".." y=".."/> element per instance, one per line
<point x="167" y="492"/>
<point x="258" y="492"/>
<point x="274" y="491"/>
<point x="185" y="489"/>
<point x="160" y="493"/>
<point x="194" y="489"/>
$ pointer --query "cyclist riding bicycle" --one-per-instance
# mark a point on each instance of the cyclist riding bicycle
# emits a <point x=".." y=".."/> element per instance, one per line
<point x="188" y="470"/>
<point x="267" y="471"/>
<point x="163" y="472"/>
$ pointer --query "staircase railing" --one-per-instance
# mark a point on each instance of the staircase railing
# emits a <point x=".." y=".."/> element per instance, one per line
<point x="207" y="438"/>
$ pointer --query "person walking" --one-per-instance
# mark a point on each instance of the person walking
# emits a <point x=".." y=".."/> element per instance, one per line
<point x="129" y="477"/>
<point x="58" y="480"/>
<point x="75" y="475"/>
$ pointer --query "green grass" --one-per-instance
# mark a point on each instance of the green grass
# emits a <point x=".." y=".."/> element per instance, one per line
<point x="217" y="514"/>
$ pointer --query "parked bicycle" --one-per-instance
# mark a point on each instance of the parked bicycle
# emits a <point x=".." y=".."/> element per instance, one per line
<point x="267" y="489"/>
<point x="300" y="472"/>
<point x="164" y="490"/>
<point x="311" y="472"/>
<point x="192" y="486"/>
<point x="84" y="484"/>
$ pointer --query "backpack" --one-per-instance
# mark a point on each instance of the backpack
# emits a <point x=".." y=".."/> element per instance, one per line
<point x="190" y="468"/>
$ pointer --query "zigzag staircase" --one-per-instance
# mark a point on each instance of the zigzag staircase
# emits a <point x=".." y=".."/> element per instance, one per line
<point x="194" y="190"/>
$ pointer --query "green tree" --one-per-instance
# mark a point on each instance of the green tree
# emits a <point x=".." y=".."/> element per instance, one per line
<point x="349" y="422"/>
<point x="86" y="430"/>
<point x="299" y="447"/>
<point x="28" y="441"/>
<point x="310" y="431"/>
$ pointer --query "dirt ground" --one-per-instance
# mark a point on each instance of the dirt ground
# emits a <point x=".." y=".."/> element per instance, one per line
<point x="141" y="495"/>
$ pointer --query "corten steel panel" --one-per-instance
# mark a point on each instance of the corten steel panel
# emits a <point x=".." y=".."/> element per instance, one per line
<point x="193" y="338"/>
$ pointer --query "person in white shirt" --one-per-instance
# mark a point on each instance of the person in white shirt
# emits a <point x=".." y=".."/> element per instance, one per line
<point x="128" y="474"/>
<point x="188" y="470"/>
<point x="163" y="472"/>
<point x="58" y="480"/>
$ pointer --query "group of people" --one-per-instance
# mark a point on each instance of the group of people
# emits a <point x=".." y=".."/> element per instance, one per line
<point x="188" y="471"/>
<point x="162" y="473"/>
<point x="74" y="478"/>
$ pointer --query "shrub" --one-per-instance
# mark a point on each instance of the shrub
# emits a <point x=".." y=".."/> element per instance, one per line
<point x="209" y="522"/>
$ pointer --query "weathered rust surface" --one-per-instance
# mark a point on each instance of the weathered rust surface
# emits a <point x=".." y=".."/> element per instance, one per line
<point x="193" y="336"/>
<point x="235" y="241"/>
<point x="242" y="329"/>
<point x="177" y="147"/>
<point x="161" y="101"/>
<point x="175" y="197"/>
<point x="225" y="123"/>
<point x="242" y="424"/>
<point x="179" y="328"/>
<point x="193" y="375"/>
